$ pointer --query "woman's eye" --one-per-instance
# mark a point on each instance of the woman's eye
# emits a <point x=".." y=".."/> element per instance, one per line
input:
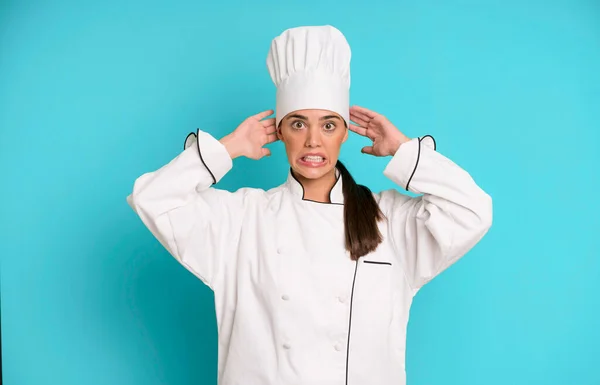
<point x="297" y="125"/>
<point x="329" y="126"/>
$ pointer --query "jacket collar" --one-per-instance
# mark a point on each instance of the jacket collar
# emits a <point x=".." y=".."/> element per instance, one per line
<point x="336" y="195"/>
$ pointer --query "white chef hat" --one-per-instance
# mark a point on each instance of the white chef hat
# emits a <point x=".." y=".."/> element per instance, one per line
<point x="310" y="67"/>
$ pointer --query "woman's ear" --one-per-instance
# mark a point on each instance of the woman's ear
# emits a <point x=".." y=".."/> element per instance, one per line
<point x="279" y="134"/>
<point x="345" y="135"/>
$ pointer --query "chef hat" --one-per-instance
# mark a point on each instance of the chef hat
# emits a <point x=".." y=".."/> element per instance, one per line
<point x="310" y="67"/>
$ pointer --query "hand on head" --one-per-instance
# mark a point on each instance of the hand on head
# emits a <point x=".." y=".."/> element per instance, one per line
<point x="250" y="137"/>
<point x="385" y="136"/>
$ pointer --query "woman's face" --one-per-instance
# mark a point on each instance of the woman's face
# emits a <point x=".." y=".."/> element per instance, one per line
<point x="312" y="139"/>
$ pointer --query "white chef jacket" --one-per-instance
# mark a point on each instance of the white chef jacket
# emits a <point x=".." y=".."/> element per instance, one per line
<point x="292" y="307"/>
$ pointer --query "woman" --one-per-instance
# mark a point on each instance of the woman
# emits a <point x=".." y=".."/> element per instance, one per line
<point x="313" y="280"/>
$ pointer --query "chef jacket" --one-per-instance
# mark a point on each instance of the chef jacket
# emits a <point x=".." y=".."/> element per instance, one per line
<point x="292" y="308"/>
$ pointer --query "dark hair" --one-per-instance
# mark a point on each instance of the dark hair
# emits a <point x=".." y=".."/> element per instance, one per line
<point x="361" y="214"/>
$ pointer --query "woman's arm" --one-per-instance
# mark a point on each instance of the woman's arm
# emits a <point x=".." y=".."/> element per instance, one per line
<point x="432" y="231"/>
<point x="198" y="224"/>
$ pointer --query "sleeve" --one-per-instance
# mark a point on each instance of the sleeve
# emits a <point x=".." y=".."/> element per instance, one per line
<point x="199" y="225"/>
<point x="449" y="217"/>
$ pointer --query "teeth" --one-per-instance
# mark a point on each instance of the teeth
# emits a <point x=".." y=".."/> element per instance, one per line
<point x="316" y="159"/>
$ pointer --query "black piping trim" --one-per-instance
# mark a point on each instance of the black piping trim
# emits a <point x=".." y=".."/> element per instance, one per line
<point x="419" y="157"/>
<point x="378" y="263"/>
<point x="186" y="138"/>
<point x="350" y="321"/>
<point x="432" y="138"/>
<point x="324" y="203"/>
<point x="416" y="165"/>
<point x="200" y="153"/>
<point x="330" y="191"/>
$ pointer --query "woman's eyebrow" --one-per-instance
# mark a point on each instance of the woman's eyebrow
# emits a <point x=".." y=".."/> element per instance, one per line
<point x="330" y="117"/>
<point x="327" y="117"/>
<point x="298" y="117"/>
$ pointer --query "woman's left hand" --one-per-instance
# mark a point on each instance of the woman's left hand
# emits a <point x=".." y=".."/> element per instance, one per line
<point x="385" y="136"/>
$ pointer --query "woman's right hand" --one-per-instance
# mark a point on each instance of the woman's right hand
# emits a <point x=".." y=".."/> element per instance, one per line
<point x="250" y="136"/>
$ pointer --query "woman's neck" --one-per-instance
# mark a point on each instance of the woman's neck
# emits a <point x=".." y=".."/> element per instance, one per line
<point x="318" y="189"/>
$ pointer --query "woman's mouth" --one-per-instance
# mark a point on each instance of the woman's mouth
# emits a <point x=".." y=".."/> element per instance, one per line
<point x="313" y="160"/>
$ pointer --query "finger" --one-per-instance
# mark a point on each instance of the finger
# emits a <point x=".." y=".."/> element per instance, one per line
<point x="268" y="122"/>
<point x="367" y="150"/>
<point x="272" y="137"/>
<point x="364" y="111"/>
<point x="359" y="119"/>
<point x="270" y="128"/>
<point x="359" y="130"/>
<point x="360" y="115"/>
<point x="266" y="151"/>
<point x="264" y="114"/>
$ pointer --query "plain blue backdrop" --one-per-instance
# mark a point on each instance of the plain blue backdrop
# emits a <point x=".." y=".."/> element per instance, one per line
<point x="93" y="94"/>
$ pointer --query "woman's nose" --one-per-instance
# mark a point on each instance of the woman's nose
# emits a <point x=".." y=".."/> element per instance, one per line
<point x="313" y="138"/>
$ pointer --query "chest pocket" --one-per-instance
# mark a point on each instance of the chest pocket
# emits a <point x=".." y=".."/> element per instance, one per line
<point x="374" y="290"/>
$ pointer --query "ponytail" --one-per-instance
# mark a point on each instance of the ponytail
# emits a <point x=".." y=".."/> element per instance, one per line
<point x="361" y="214"/>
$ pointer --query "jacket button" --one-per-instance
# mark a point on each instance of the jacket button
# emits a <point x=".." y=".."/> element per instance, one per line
<point x="341" y="299"/>
<point x="338" y="347"/>
<point x="285" y="297"/>
<point x="286" y="346"/>
<point x="279" y="250"/>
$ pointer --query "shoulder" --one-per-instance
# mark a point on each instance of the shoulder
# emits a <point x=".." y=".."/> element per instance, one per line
<point x="254" y="195"/>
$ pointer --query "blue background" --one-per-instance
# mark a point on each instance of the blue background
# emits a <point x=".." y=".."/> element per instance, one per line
<point x="94" y="94"/>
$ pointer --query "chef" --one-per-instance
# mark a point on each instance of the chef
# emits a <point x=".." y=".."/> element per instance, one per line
<point x="313" y="279"/>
